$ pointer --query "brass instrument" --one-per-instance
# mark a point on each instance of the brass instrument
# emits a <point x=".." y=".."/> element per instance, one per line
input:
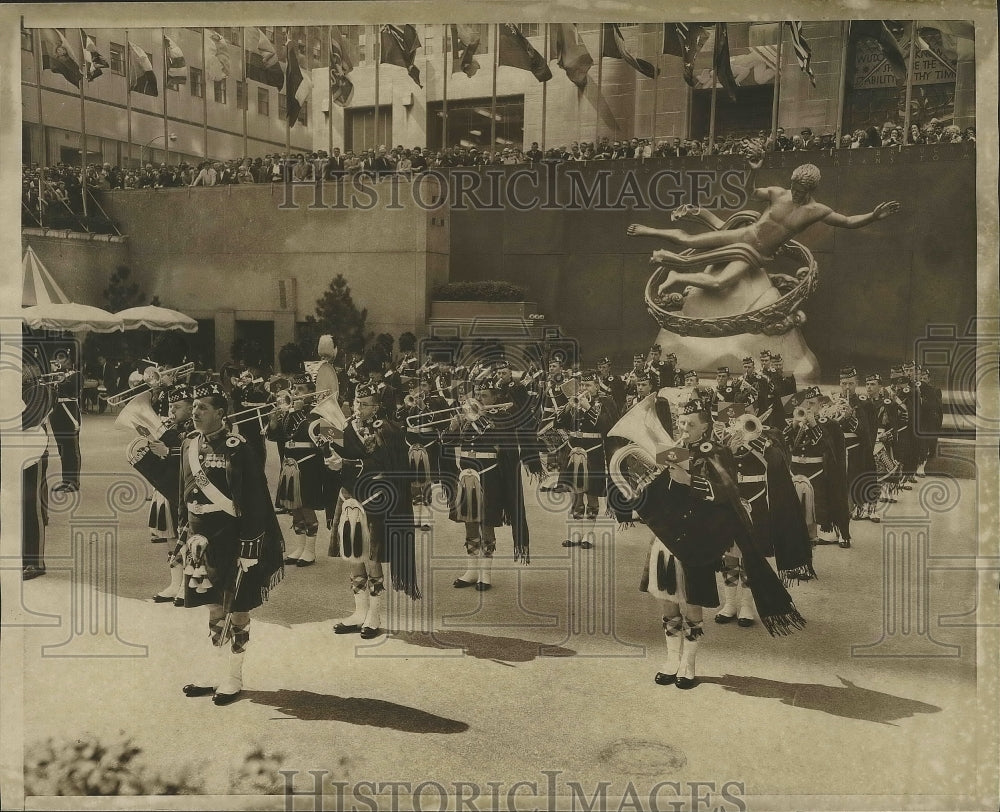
<point x="448" y="414"/>
<point x="261" y="410"/>
<point x="632" y="469"/>
<point x="743" y="431"/>
<point x="52" y="378"/>
<point x="579" y="402"/>
<point x="473" y="409"/>
<point x="284" y="400"/>
<point x="152" y="377"/>
<point x="139" y="416"/>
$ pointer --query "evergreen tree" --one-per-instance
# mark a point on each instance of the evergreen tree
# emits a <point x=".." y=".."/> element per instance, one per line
<point x="338" y="315"/>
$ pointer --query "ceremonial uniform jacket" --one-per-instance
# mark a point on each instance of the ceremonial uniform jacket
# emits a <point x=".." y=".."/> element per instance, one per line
<point x="65" y="417"/>
<point x="588" y="431"/>
<point x="930" y="411"/>
<point x="292" y="430"/>
<point x="818" y="452"/>
<point x="614" y="387"/>
<point x="223" y="496"/>
<point x="376" y="473"/>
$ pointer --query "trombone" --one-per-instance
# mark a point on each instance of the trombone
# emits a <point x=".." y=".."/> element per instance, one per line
<point x="152" y="378"/>
<point x="52" y="378"/>
<point x="283" y="402"/>
<point x="448" y="413"/>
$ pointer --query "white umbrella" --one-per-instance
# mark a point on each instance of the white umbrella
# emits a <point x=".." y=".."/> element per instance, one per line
<point x="39" y="286"/>
<point x="156" y="318"/>
<point x="71" y="316"/>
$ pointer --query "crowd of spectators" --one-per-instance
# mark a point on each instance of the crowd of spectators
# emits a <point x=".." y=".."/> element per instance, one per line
<point x="52" y="191"/>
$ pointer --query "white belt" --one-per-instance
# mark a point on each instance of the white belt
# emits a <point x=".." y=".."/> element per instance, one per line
<point x="751" y="478"/>
<point x="198" y="508"/>
<point x="808" y="460"/>
<point x="66" y="400"/>
<point x="299" y="444"/>
<point x="850" y="435"/>
<point x="586" y="435"/>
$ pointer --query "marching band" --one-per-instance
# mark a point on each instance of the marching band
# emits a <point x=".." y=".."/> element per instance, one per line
<point x="754" y="467"/>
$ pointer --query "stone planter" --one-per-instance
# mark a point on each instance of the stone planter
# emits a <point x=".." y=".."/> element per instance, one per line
<point x="470" y="310"/>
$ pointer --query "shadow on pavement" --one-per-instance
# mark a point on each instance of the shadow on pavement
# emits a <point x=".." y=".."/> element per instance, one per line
<point x="313" y="707"/>
<point x="484" y="646"/>
<point x="847" y="701"/>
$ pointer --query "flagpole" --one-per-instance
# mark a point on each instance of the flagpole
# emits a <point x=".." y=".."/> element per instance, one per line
<point x="36" y="38"/>
<point x="128" y="96"/>
<point x="166" y="133"/>
<point x="204" y="87"/>
<point x="246" y="91"/>
<point x="286" y="170"/>
<point x="493" y="103"/>
<point x="656" y="99"/>
<point x="83" y="122"/>
<point x="600" y="72"/>
<point x="444" y="102"/>
<point x="845" y="36"/>
<point x="777" y="84"/>
<point x="711" y="121"/>
<point x="329" y="94"/>
<point x="909" y="82"/>
<point x="545" y="87"/>
<point x="377" y="53"/>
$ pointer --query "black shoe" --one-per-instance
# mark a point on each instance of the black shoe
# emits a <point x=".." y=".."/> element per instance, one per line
<point x="586" y="545"/>
<point x="368" y="633"/>
<point x="65" y="487"/>
<point x="347" y="628"/>
<point x="292" y="561"/>
<point x="197" y="690"/>
<point x="570" y="543"/>
<point x="458" y="583"/>
<point x="875" y="519"/>
<point x="845" y="543"/>
<point x="303" y="563"/>
<point x="163" y="599"/>
<point x="725" y="618"/>
<point x="685" y="683"/>
<point x="157" y="540"/>
<point x="484" y="587"/>
<point x="745" y="622"/>
<point x="425" y="528"/>
<point x="31" y="572"/>
<point x="225" y="699"/>
<point x="664" y="679"/>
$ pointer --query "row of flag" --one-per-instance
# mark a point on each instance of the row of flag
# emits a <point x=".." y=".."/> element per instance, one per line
<point x="279" y="67"/>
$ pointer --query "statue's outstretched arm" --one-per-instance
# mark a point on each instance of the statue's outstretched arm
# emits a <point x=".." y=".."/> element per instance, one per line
<point x="881" y="211"/>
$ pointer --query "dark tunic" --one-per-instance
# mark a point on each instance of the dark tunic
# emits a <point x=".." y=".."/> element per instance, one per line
<point x="818" y="452"/>
<point x="293" y="431"/>
<point x="247" y="529"/>
<point x="588" y="431"/>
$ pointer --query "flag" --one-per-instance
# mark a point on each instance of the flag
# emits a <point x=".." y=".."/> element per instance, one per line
<point x="880" y="31"/>
<point x="614" y="48"/>
<point x="516" y="52"/>
<point x="721" y="62"/>
<point x="299" y="87"/>
<point x="176" y="65"/>
<point x="571" y="52"/>
<point x="465" y="41"/>
<point x="140" y="71"/>
<point x="685" y="40"/>
<point x="91" y="58"/>
<point x="803" y="53"/>
<point x="59" y="57"/>
<point x="263" y="64"/>
<point x="399" y="47"/>
<point x="341" y="64"/>
<point x="218" y="62"/>
<point x="958" y="39"/>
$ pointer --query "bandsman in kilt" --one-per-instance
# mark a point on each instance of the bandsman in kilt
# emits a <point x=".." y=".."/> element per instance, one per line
<point x="300" y="484"/>
<point x="855" y="420"/>
<point x="885" y="422"/>
<point x="613" y="386"/>
<point x="375" y="527"/>
<point x="639" y="370"/>
<point x="587" y="418"/>
<point x="930" y="418"/>
<point x="250" y="391"/>
<point x="819" y="469"/>
<point x="234" y="549"/>
<point x="906" y="395"/>
<point x="64" y="421"/>
<point x="694" y="510"/>
<point x="488" y="443"/>
<point x="424" y="425"/>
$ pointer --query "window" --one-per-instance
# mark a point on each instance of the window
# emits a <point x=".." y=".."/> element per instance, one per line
<point x="195" y="81"/>
<point x="27" y="40"/>
<point x="359" y="127"/>
<point x="220" y="91"/>
<point x="263" y="102"/>
<point x="282" y="106"/>
<point x="117" y="58"/>
<point x="241" y="95"/>
<point x="485" y="37"/>
<point x="531" y="29"/>
<point x="469" y="122"/>
<point x="429" y="38"/>
<point x="304" y="114"/>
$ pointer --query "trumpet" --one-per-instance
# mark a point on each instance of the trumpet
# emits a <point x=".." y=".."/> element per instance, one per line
<point x="579" y="402"/>
<point x="743" y="431"/>
<point x="152" y="377"/>
<point x="52" y="378"/>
